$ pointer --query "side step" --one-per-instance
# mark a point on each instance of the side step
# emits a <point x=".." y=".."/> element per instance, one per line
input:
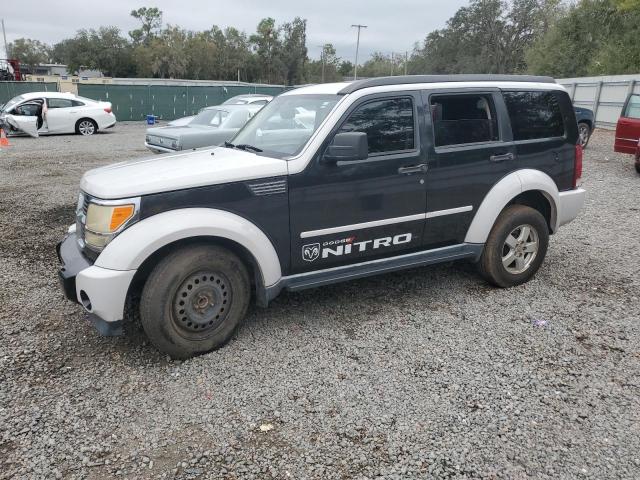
<point x="359" y="270"/>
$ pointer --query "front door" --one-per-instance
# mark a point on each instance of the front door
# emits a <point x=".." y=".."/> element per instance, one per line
<point x="470" y="150"/>
<point x="350" y="212"/>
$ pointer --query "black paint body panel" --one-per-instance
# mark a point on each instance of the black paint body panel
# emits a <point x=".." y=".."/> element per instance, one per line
<point x="270" y="213"/>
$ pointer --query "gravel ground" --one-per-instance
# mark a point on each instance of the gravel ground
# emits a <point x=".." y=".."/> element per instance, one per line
<point x="428" y="373"/>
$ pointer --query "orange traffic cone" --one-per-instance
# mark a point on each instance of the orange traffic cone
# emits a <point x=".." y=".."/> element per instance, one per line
<point x="4" y="141"/>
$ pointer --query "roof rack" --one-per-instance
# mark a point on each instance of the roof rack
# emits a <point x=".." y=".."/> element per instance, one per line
<point x="409" y="79"/>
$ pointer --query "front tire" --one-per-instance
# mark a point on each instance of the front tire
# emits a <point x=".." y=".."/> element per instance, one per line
<point x="515" y="248"/>
<point x="194" y="299"/>
<point x="86" y="126"/>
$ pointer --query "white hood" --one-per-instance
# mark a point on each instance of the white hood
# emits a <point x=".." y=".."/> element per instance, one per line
<point x="175" y="172"/>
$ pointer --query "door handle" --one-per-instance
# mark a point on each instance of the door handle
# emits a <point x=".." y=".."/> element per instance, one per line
<point x="413" y="169"/>
<point x="502" y="157"/>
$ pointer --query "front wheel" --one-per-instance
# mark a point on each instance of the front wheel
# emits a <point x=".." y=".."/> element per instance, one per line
<point x="194" y="299"/>
<point x="515" y="248"/>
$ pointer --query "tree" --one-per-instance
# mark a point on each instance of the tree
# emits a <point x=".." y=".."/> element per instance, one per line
<point x="151" y="20"/>
<point x="487" y="36"/>
<point x="593" y="37"/>
<point x="29" y="52"/>
<point x="267" y="46"/>
<point x="293" y="54"/>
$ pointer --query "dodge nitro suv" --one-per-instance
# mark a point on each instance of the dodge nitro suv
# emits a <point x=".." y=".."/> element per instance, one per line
<point x="327" y="183"/>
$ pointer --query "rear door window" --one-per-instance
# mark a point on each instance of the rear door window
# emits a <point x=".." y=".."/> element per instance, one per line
<point x="463" y="119"/>
<point x="633" y="107"/>
<point x="59" y="103"/>
<point x="534" y="115"/>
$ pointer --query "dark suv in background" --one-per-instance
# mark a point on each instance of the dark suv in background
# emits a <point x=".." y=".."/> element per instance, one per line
<point x="586" y="124"/>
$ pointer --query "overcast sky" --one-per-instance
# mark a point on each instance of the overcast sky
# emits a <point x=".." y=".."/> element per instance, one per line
<point x="394" y="25"/>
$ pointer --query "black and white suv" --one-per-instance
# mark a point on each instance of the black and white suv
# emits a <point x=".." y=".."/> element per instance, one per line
<point x="327" y="183"/>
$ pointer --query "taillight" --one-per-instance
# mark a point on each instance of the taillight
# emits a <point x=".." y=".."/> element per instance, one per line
<point x="107" y="109"/>
<point x="577" y="166"/>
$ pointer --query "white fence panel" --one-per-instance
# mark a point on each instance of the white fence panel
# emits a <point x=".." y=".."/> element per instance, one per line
<point x="604" y="95"/>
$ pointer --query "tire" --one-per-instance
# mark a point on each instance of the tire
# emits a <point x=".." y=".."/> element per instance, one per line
<point x="86" y="126"/>
<point x="637" y="165"/>
<point x="496" y="265"/>
<point x="584" y="134"/>
<point x="194" y="299"/>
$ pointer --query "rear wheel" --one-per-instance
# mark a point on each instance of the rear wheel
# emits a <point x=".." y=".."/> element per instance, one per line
<point x="86" y="126"/>
<point x="194" y="299"/>
<point x="584" y="133"/>
<point x="515" y="248"/>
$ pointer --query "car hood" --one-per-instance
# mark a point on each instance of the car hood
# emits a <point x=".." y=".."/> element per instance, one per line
<point x="177" y="132"/>
<point x="180" y="171"/>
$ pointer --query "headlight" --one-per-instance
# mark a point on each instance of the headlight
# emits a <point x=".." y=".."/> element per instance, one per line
<point x="106" y="219"/>
<point x="175" y="145"/>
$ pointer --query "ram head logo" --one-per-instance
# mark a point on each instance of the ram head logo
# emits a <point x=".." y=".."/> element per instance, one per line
<point x="310" y="252"/>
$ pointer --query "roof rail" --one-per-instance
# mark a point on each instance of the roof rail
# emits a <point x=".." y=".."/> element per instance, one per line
<point x="409" y="79"/>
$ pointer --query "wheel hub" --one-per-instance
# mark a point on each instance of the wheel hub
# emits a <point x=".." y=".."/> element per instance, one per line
<point x="520" y="249"/>
<point x="201" y="302"/>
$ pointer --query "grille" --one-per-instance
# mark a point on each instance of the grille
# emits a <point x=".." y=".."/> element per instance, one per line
<point x="272" y="187"/>
<point x="81" y="218"/>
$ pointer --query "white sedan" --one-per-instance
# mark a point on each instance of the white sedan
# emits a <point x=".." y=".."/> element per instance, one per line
<point x="43" y="113"/>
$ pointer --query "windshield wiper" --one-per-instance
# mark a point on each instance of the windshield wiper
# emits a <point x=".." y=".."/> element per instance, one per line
<point x="246" y="146"/>
<point x="242" y="146"/>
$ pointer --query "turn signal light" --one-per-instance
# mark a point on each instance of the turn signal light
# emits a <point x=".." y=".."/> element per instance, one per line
<point x="119" y="216"/>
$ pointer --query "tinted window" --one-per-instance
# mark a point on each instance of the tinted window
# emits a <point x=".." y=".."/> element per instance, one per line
<point x="388" y="124"/>
<point x="259" y="102"/>
<point x="534" y="115"/>
<point x="59" y="103"/>
<point x="460" y="119"/>
<point x="76" y="103"/>
<point x="633" y="107"/>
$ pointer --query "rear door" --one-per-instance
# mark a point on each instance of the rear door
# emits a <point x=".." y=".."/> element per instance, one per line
<point x="628" y="128"/>
<point x="470" y="151"/>
<point x="61" y="115"/>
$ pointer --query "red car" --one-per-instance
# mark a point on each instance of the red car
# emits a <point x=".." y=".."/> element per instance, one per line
<point x="628" y="128"/>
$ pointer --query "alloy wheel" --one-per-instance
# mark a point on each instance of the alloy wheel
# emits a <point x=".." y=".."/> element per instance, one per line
<point x="520" y="249"/>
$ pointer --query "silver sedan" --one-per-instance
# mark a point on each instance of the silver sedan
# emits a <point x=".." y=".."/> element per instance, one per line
<point x="212" y="126"/>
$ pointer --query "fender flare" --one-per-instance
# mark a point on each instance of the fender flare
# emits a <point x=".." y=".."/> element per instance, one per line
<point x="135" y="244"/>
<point x="506" y="190"/>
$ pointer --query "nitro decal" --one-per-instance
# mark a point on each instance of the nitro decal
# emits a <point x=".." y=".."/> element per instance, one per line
<point x="347" y="246"/>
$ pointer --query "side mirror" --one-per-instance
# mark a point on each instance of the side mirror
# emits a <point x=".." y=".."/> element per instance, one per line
<point x="347" y="147"/>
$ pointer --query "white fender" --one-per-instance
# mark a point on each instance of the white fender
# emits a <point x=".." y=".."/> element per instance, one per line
<point x="129" y="249"/>
<point x="503" y="192"/>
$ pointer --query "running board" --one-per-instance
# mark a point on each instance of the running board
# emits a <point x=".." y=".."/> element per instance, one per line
<point x="319" y="278"/>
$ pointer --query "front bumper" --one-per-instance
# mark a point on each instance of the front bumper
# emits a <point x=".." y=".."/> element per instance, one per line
<point x="102" y="292"/>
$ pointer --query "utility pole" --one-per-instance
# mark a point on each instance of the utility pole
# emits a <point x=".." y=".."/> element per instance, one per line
<point x="322" y="58"/>
<point x="4" y="35"/>
<point x="359" y="27"/>
<point x="406" y="59"/>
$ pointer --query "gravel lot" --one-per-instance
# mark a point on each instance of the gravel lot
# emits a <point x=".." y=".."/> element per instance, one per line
<point x="428" y="373"/>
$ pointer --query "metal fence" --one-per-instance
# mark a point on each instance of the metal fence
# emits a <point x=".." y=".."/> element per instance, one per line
<point x="604" y="95"/>
<point x="8" y="90"/>
<point x="167" y="102"/>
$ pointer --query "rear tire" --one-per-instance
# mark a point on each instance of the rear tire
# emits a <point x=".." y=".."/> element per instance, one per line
<point x="86" y="126"/>
<point x="584" y="134"/>
<point x="515" y="248"/>
<point x="194" y="299"/>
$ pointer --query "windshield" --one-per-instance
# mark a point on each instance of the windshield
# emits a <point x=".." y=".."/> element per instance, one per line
<point x="11" y="103"/>
<point x="283" y="127"/>
<point x="209" y="117"/>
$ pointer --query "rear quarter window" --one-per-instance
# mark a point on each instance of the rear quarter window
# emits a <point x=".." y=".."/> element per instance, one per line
<point x="534" y="115"/>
